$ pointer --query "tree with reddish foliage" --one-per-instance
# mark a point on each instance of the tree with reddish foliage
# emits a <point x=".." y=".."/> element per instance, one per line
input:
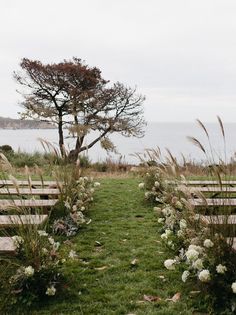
<point x="73" y="95"/>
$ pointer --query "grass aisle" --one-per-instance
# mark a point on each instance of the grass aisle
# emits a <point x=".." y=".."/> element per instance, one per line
<point x="123" y="228"/>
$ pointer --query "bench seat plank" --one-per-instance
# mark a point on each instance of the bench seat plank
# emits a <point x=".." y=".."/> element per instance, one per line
<point x="215" y="189"/>
<point x="27" y="191"/>
<point x="219" y="219"/>
<point x="209" y="182"/>
<point x="16" y="220"/>
<point x="31" y="203"/>
<point x="7" y="245"/>
<point x="8" y="182"/>
<point x="219" y="202"/>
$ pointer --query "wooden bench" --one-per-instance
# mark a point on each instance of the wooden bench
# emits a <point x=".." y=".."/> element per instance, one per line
<point x="223" y="222"/>
<point x="22" y="195"/>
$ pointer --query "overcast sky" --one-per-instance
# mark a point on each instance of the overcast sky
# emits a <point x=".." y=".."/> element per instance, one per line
<point x="180" y="54"/>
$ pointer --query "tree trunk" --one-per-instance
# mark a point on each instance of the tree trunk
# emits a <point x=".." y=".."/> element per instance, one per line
<point x="61" y="137"/>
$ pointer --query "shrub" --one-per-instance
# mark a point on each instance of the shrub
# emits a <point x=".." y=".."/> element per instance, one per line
<point x="35" y="273"/>
<point x="201" y="253"/>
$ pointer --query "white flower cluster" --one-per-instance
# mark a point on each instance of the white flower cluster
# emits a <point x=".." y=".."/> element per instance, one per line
<point x="170" y="264"/>
<point x="51" y="291"/>
<point x="29" y="271"/>
<point x="17" y="240"/>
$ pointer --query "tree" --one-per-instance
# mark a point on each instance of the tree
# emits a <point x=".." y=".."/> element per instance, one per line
<point x="73" y="95"/>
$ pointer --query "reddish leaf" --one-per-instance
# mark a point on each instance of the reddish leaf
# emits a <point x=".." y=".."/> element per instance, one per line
<point x="175" y="298"/>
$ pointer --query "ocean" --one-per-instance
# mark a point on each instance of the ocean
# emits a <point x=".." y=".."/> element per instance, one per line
<point x="163" y="135"/>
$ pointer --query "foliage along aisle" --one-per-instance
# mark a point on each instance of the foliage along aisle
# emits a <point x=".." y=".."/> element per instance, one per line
<point x="121" y="256"/>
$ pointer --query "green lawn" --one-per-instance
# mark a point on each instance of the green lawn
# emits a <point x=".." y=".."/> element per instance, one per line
<point x="103" y="281"/>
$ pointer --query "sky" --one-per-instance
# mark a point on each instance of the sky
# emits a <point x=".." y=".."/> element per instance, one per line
<point x="181" y="54"/>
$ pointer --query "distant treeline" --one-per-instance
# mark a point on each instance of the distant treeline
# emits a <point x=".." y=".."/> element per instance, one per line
<point x="10" y="123"/>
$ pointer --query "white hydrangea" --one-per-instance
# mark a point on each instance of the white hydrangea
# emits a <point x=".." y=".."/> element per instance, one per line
<point x="147" y="194"/>
<point x="192" y="254"/>
<point x="51" y="240"/>
<point x="182" y="224"/>
<point x="74" y="208"/>
<point x="67" y="204"/>
<point x="170" y="221"/>
<point x="208" y="243"/>
<point x="141" y="185"/>
<point x="180" y="233"/>
<point x="221" y="269"/>
<point x="167" y="234"/>
<point x="233" y="286"/>
<point x="170" y="264"/>
<point x="17" y="240"/>
<point x="204" y="275"/>
<point x="51" y="291"/>
<point x="178" y="205"/>
<point x="72" y="255"/>
<point x="157" y="210"/>
<point x="167" y="211"/>
<point x="198" y="264"/>
<point x="164" y="236"/>
<point x="29" y="271"/>
<point x="42" y="233"/>
<point x="197" y="248"/>
<point x="185" y="275"/>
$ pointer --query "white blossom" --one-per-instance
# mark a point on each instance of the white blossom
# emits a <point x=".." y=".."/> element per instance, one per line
<point x="192" y="254"/>
<point x="17" y="240"/>
<point x="178" y="205"/>
<point x="221" y="269"/>
<point x="198" y="264"/>
<point x="157" y="184"/>
<point x="72" y="255"/>
<point x="96" y="184"/>
<point x="182" y="224"/>
<point x="160" y="220"/>
<point x="157" y="210"/>
<point x="42" y="233"/>
<point x="233" y="286"/>
<point x="51" y="291"/>
<point x="204" y="275"/>
<point x="185" y="275"/>
<point x="141" y="185"/>
<point x="164" y="236"/>
<point x="170" y="264"/>
<point x="208" y="243"/>
<point x="167" y="211"/>
<point x="180" y="233"/>
<point x="74" y="208"/>
<point x="147" y="194"/>
<point x="67" y="204"/>
<point x="29" y="271"/>
<point x="197" y="248"/>
<point x="51" y="240"/>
